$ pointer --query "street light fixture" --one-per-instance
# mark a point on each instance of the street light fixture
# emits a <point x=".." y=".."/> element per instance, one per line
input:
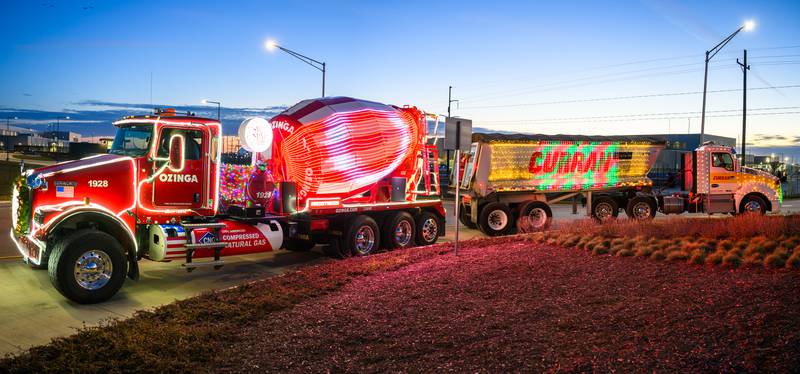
<point x="747" y="26"/>
<point x="272" y="45"/>
<point x="219" y="105"/>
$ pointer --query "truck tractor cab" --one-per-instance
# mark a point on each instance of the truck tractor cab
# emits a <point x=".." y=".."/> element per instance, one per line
<point x="714" y="175"/>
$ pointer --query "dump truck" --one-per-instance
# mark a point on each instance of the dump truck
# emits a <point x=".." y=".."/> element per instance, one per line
<point x="351" y="175"/>
<point x="509" y="177"/>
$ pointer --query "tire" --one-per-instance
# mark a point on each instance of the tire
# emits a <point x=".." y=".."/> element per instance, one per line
<point x="299" y="245"/>
<point x="362" y="237"/>
<point x="641" y="208"/>
<point x="604" y="209"/>
<point x="538" y="214"/>
<point x="97" y="252"/>
<point x="399" y="231"/>
<point x="428" y="228"/>
<point x="495" y="219"/>
<point x="462" y="217"/>
<point x="753" y="204"/>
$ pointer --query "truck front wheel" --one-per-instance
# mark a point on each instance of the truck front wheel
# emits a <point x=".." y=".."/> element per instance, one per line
<point x="87" y="267"/>
<point x="753" y="204"/>
<point x="641" y="208"/>
<point x="495" y="219"/>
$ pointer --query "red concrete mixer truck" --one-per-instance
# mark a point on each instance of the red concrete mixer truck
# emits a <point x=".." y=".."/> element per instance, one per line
<point x="351" y="175"/>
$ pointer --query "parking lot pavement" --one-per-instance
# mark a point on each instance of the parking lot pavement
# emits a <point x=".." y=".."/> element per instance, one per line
<point x="32" y="312"/>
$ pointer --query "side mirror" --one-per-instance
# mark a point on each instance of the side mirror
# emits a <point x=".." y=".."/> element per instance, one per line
<point x="176" y="153"/>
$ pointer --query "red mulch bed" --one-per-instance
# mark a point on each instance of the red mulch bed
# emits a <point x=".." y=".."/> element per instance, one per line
<point x="529" y="307"/>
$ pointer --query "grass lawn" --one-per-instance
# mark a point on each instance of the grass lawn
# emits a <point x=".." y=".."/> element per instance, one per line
<point x="521" y="303"/>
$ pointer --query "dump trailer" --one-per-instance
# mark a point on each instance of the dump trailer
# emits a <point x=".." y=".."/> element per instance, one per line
<point x="352" y="175"/>
<point x="508" y="177"/>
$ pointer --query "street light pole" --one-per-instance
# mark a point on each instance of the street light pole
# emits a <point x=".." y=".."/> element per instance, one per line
<point x="55" y="134"/>
<point x="321" y="66"/>
<point x="219" y="106"/>
<point x="8" y="135"/>
<point x="747" y="26"/>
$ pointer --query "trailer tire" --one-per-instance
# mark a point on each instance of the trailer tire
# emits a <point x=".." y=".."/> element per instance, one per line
<point x="495" y="219"/>
<point x="428" y="228"/>
<point x="604" y="208"/>
<point x="641" y="208"/>
<point x="88" y="266"/>
<point x="362" y="237"/>
<point x="299" y="245"/>
<point x="398" y="231"/>
<point x="462" y="217"/>
<point x="753" y="204"/>
<point x="538" y="215"/>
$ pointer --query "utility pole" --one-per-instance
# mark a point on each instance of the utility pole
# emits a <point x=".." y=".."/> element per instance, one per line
<point x="745" y="67"/>
<point x="689" y="128"/>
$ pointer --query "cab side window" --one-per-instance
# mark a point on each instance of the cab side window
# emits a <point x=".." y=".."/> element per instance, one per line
<point x="722" y="160"/>
<point x="193" y="143"/>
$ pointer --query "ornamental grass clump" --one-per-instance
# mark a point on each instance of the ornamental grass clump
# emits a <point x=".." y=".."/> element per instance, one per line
<point x="678" y="255"/>
<point x="732" y="259"/>
<point x="777" y="259"/>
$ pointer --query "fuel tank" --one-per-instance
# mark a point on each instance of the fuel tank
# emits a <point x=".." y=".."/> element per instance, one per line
<point x="167" y="242"/>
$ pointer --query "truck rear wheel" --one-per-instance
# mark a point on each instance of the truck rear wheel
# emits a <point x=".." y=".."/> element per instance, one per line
<point x="495" y="219"/>
<point x="88" y="266"/>
<point x="604" y="208"/>
<point x="362" y="236"/>
<point x="428" y="228"/>
<point x="535" y="216"/>
<point x="753" y="204"/>
<point x="398" y="231"/>
<point x="641" y="208"/>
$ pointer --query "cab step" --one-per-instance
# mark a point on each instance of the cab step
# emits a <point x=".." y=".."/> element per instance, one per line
<point x="206" y="245"/>
<point x="217" y="264"/>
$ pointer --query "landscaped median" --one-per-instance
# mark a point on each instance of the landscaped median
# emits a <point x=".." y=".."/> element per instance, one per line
<point x="519" y="303"/>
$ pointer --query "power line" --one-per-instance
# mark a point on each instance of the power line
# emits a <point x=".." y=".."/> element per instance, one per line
<point x="679" y="114"/>
<point x="621" y="97"/>
<point x="644" y="119"/>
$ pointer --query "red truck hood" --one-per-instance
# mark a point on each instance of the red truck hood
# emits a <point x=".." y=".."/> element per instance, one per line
<point x="77" y="164"/>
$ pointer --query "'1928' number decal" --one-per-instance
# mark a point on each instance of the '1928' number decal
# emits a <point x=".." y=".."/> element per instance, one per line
<point x="98" y="183"/>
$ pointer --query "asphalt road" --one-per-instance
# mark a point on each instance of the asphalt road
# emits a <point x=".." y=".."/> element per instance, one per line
<point x="32" y="312"/>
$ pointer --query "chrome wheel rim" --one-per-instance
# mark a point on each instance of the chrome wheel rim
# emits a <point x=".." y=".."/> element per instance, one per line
<point x="402" y="233"/>
<point x="537" y="217"/>
<point x="604" y="211"/>
<point x="497" y="220"/>
<point x="93" y="270"/>
<point x="752" y="206"/>
<point x="365" y="240"/>
<point x="641" y="210"/>
<point x="430" y="229"/>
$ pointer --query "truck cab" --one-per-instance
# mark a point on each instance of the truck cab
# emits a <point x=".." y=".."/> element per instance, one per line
<point x="714" y="176"/>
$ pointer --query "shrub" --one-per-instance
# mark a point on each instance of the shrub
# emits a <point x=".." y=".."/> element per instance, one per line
<point x="794" y="260"/>
<point x="677" y="255"/>
<point x="625" y="252"/>
<point x="731" y="259"/>
<point x="716" y="257"/>
<point x="754" y="260"/>
<point x="658" y="255"/>
<point x="777" y="259"/>
<point x="726" y="245"/>
<point x="698" y="256"/>
<point x="600" y="249"/>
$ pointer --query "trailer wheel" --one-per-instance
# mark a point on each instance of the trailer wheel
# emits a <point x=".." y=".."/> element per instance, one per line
<point x="495" y="219"/>
<point x="362" y="237"/>
<point x="88" y="266"/>
<point x="641" y="208"/>
<point x="604" y="208"/>
<point x="299" y="245"/>
<point x="462" y="217"/>
<point x="398" y="231"/>
<point x="535" y="216"/>
<point x="428" y="228"/>
<point x="753" y="204"/>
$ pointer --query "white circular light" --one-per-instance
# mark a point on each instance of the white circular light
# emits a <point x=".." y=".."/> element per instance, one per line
<point x="255" y="134"/>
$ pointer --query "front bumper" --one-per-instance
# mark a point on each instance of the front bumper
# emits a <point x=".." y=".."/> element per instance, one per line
<point x="30" y="249"/>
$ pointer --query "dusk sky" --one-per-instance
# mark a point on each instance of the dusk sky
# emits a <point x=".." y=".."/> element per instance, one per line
<point x="533" y="66"/>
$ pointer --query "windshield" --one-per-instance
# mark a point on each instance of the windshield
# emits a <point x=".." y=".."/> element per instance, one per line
<point x="132" y="141"/>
